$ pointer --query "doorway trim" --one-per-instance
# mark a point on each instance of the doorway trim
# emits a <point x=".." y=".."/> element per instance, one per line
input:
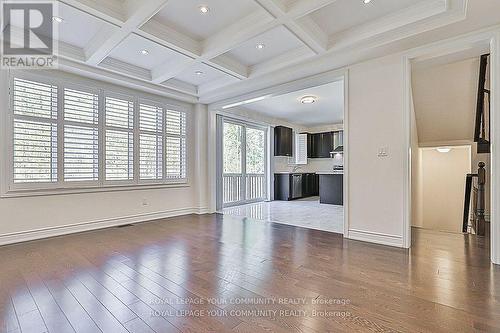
<point x="489" y="37"/>
<point x="304" y="83"/>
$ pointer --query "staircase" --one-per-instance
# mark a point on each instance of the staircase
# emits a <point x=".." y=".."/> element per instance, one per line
<point x="475" y="183"/>
<point x="476" y="192"/>
<point x="482" y="125"/>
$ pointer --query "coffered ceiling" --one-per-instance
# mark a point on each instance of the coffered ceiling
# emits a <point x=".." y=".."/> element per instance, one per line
<point x="196" y="48"/>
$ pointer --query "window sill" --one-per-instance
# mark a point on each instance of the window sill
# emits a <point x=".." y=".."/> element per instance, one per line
<point x="90" y="189"/>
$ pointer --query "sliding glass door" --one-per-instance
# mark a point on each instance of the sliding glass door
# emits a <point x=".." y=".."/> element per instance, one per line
<point x="244" y="159"/>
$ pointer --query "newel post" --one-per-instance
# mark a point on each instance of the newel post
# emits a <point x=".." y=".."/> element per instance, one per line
<point x="481" y="204"/>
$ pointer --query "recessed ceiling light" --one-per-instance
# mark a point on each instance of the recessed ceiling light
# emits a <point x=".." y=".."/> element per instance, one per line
<point x="308" y="99"/>
<point x="204" y="9"/>
<point x="443" y="149"/>
<point x="198" y="73"/>
<point x="367" y="1"/>
<point x="57" y="19"/>
<point x="144" y="52"/>
<point x="260" y="46"/>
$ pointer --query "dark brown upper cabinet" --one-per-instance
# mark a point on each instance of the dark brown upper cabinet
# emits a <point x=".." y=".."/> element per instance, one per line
<point x="283" y="137"/>
<point x="324" y="145"/>
<point x="311" y="145"/>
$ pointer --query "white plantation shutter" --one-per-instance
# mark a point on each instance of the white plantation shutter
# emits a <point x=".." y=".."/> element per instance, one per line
<point x="150" y="142"/>
<point x="119" y="139"/>
<point x="175" y="142"/>
<point x="68" y="136"/>
<point x="81" y="136"/>
<point x="35" y="132"/>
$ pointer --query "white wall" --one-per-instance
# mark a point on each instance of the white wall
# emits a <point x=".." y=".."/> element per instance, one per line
<point x="443" y="183"/>
<point x="377" y="184"/>
<point x="22" y="216"/>
<point x="416" y="169"/>
<point x="443" y="93"/>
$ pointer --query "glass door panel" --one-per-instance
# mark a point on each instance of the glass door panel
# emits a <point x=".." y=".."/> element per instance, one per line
<point x="255" y="164"/>
<point x="243" y="163"/>
<point x="232" y="163"/>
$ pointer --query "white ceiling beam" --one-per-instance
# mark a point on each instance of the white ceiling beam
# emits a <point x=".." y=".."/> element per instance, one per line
<point x="124" y="80"/>
<point x="230" y="66"/>
<point x="138" y="13"/>
<point x="111" y="11"/>
<point x="291" y="57"/>
<point x="170" y="38"/>
<point x="238" y="33"/>
<point x="305" y="7"/>
<point x="300" y="9"/>
<point x="181" y="86"/>
<point x="169" y="70"/>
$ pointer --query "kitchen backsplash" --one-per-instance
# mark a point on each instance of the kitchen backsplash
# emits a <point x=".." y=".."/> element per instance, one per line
<point x="286" y="164"/>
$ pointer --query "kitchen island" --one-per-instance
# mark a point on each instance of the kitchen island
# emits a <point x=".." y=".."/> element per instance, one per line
<point x="331" y="188"/>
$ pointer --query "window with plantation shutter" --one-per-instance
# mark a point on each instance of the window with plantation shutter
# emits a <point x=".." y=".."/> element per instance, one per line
<point x="68" y="137"/>
<point x="175" y="145"/>
<point x="119" y="139"/>
<point x="34" y="107"/>
<point x="150" y="142"/>
<point x="81" y="135"/>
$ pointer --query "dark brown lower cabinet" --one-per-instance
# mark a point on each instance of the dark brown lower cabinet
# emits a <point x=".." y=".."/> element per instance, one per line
<point x="331" y="189"/>
<point x="290" y="186"/>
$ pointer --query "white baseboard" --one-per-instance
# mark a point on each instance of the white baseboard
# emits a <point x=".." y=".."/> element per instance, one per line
<point x="377" y="238"/>
<point x="94" y="225"/>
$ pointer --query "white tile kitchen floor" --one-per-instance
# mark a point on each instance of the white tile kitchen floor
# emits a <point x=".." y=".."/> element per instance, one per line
<point x="307" y="213"/>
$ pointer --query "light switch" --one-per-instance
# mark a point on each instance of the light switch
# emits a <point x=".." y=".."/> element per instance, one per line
<point x="382" y="152"/>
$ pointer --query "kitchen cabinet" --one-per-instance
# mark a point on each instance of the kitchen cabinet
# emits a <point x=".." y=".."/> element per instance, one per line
<point x="290" y="186"/>
<point x="331" y="189"/>
<point x="283" y="141"/>
<point x="310" y="185"/>
<point x="320" y="145"/>
<point x="311" y="145"/>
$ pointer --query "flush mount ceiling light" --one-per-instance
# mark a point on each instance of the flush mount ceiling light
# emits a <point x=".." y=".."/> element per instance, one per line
<point x="144" y="52"/>
<point x="443" y="149"/>
<point x="204" y="9"/>
<point x="367" y="1"/>
<point x="57" y="19"/>
<point x="260" y="46"/>
<point x="308" y="99"/>
<point x="198" y="73"/>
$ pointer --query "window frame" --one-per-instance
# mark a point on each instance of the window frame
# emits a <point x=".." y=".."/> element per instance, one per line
<point x="11" y="189"/>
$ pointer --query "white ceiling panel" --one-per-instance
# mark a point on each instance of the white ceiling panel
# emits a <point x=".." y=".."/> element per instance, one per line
<point x="201" y="73"/>
<point x="346" y="14"/>
<point x="276" y="42"/>
<point x="77" y="28"/>
<point x="328" y="109"/>
<point x="129" y="51"/>
<point x="185" y="16"/>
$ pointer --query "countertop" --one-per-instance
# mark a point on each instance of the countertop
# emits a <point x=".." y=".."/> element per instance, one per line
<point x="318" y="173"/>
<point x="330" y="173"/>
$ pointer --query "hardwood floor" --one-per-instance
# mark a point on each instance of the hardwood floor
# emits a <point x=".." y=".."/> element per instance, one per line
<point x="217" y="273"/>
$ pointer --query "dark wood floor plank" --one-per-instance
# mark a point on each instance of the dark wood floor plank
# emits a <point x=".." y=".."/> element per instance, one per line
<point x="80" y="320"/>
<point x="445" y="283"/>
